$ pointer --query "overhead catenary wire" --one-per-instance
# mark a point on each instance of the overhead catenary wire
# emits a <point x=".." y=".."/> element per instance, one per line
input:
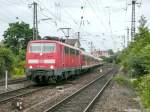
<point x="43" y="13"/>
<point x="97" y="5"/>
<point x="97" y="16"/>
<point x="68" y="17"/>
<point x="109" y="23"/>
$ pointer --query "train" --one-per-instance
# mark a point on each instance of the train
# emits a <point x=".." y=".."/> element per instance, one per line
<point x="52" y="61"/>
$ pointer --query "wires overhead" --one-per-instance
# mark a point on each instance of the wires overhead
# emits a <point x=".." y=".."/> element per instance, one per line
<point x="84" y="16"/>
<point x="96" y="12"/>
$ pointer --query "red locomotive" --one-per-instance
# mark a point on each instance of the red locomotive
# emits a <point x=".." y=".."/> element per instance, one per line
<point x="48" y="60"/>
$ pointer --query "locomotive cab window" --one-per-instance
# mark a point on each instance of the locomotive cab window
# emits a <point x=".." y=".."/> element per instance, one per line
<point x="42" y="47"/>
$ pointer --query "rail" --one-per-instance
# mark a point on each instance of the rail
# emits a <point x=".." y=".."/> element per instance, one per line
<point x="84" y="98"/>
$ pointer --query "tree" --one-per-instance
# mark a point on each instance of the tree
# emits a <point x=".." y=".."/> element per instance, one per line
<point x="6" y="61"/>
<point x="110" y="51"/>
<point x="136" y="57"/>
<point x="17" y="36"/>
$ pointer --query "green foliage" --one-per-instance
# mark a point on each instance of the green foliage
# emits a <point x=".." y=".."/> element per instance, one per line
<point x="12" y="58"/>
<point x="110" y="51"/>
<point x="142" y="85"/>
<point x="122" y="81"/>
<point x="6" y="61"/>
<point x="19" y="62"/>
<point x="107" y="59"/>
<point x="111" y="59"/>
<point x="17" y="36"/>
<point x="136" y="58"/>
<point x="13" y="63"/>
<point x="18" y="70"/>
<point x="22" y="55"/>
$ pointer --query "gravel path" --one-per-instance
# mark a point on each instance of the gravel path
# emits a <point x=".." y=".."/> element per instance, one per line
<point x="117" y="98"/>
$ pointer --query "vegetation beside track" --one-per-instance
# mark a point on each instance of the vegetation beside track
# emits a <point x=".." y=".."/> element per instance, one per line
<point x="135" y="60"/>
<point x="122" y="80"/>
<point x="12" y="49"/>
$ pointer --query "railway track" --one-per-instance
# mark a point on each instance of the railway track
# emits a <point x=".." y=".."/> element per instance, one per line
<point x="13" y="81"/>
<point x="7" y="96"/>
<point x="84" y="98"/>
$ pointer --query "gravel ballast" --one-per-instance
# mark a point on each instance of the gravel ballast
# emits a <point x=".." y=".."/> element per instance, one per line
<point x="37" y="102"/>
<point x="117" y="98"/>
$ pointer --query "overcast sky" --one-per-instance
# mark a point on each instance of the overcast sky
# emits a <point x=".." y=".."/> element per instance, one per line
<point x="104" y="21"/>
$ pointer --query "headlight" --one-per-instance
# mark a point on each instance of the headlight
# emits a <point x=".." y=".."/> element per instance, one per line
<point x="30" y="67"/>
<point x="52" y="66"/>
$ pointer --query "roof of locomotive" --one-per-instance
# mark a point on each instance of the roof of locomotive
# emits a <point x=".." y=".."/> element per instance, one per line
<point x="83" y="52"/>
<point x="45" y="41"/>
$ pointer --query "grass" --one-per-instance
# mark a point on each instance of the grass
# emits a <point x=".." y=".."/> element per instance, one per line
<point x="122" y="80"/>
<point x="18" y="73"/>
<point x="17" y="76"/>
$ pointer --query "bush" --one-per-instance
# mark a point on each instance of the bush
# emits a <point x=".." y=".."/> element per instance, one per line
<point x="136" y="67"/>
<point x="18" y="70"/>
<point x="6" y="61"/>
<point x="110" y="59"/>
<point x="144" y="88"/>
<point x="22" y="55"/>
<point x="122" y="81"/>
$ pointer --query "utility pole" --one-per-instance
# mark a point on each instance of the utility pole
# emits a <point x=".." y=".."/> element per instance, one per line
<point x="133" y="19"/>
<point x="67" y="30"/>
<point x="35" y="21"/>
<point x="128" y="36"/>
<point x="91" y="47"/>
<point x="78" y="38"/>
<point x="124" y="41"/>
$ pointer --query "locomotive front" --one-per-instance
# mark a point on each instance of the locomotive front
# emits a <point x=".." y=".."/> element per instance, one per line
<point x="40" y="60"/>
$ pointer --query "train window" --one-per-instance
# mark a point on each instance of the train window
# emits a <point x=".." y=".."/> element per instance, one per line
<point x="66" y="50"/>
<point x="72" y="51"/>
<point x="77" y="52"/>
<point x="49" y="47"/>
<point x="35" y="47"/>
<point x="42" y="47"/>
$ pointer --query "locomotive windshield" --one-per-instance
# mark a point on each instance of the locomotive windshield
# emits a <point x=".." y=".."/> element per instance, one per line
<point x="42" y="47"/>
